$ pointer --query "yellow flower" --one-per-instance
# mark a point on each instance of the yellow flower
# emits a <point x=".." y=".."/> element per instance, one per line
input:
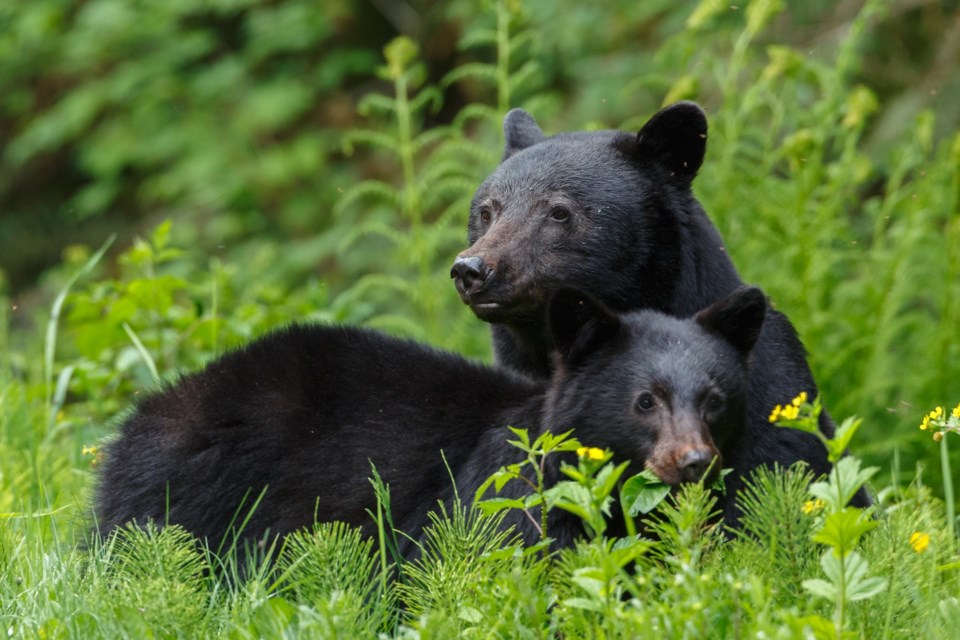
<point x="811" y="507"/>
<point x="956" y="411"/>
<point x="925" y="423"/>
<point x="775" y="414"/>
<point x="89" y="451"/>
<point x="790" y="412"/>
<point x="591" y="453"/>
<point x="800" y="399"/>
<point x="919" y="541"/>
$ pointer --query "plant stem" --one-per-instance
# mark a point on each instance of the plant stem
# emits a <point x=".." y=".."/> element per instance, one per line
<point x="841" y="599"/>
<point x="948" y="490"/>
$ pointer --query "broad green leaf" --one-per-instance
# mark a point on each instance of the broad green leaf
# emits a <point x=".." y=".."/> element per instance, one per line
<point x="585" y="604"/>
<point x="608" y="477"/>
<point x="642" y="493"/>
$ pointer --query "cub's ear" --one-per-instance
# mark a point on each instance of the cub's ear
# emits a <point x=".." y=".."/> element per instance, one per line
<point x="738" y="318"/>
<point x="579" y="324"/>
<point x="520" y="131"/>
<point x="675" y="138"/>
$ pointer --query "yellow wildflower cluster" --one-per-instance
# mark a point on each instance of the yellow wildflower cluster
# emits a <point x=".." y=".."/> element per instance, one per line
<point x="94" y="453"/>
<point x="919" y="541"/>
<point x="939" y="422"/>
<point x="934" y="415"/>
<point x="812" y="507"/>
<point x="590" y="453"/>
<point x="790" y="411"/>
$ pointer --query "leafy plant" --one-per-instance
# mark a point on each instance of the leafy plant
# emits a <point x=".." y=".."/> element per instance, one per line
<point x="842" y="527"/>
<point x="537" y="500"/>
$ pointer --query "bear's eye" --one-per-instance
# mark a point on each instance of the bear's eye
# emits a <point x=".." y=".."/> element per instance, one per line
<point x="559" y="213"/>
<point x="714" y="402"/>
<point x="646" y="402"/>
<point x="485" y="214"/>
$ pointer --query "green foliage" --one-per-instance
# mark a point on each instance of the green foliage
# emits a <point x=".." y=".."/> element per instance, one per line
<point x="642" y="493"/>
<point x="841" y="527"/>
<point x="538" y="500"/>
<point x="331" y="569"/>
<point x="588" y="493"/>
<point x="150" y="574"/>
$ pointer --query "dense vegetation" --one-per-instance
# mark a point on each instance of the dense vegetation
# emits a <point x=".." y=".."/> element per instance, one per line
<point x="269" y="161"/>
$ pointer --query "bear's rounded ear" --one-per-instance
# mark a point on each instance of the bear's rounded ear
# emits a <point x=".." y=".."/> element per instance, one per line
<point x="675" y="138"/>
<point x="738" y="318"/>
<point x="579" y="324"/>
<point x="520" y="131"/>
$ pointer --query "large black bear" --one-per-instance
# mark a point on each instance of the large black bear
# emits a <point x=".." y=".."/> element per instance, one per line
<point x="612" y="213"/>
<point x="303" y="412"/>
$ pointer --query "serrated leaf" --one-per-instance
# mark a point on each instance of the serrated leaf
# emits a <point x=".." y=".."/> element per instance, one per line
<point x="533" y="500"/>
<point x="867" y="588"/>
<point x="524" y="438"/>
<point x="567" y="492"/>
<point x="857" y="585"/>
<point x="820" y="588"/>
<point x="843" y="482"/>
<point x="493" y="505"/>
<point x="841" y="439"/>
<point x="842" y="530"/>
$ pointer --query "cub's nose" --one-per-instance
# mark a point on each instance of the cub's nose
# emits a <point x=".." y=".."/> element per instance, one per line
<point x="694" y="464"/>
<point x="469" y="273"/>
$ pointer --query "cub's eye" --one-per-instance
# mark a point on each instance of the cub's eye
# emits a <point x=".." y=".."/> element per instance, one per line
<point x="559" y="214"/>
<point x="485" y="214"/>
<point x="714" y="402"/>
<point x="646" y="402"/>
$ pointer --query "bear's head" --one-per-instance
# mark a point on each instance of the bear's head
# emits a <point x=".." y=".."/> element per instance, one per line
<point x="667" y="394"/>
<point x="602" y="211"/>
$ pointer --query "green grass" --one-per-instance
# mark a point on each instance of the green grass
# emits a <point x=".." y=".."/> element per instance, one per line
<point x="859" y="246"/>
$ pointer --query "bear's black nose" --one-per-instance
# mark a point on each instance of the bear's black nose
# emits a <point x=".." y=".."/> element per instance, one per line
<point x="694" y="464"/>
<point x="469" y="272"/>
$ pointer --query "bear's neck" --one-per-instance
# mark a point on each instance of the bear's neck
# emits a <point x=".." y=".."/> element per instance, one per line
<point x="705" y="273"/>
<point x="524" y="348"/>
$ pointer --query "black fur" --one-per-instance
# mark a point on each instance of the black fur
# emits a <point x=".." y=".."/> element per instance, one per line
<point x="303" y="411"/>
<point x="612" y="213"/>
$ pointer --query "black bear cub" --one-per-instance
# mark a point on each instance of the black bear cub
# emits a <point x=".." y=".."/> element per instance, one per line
<point x="612" y="213"/>
<point x="300" y="414"/>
